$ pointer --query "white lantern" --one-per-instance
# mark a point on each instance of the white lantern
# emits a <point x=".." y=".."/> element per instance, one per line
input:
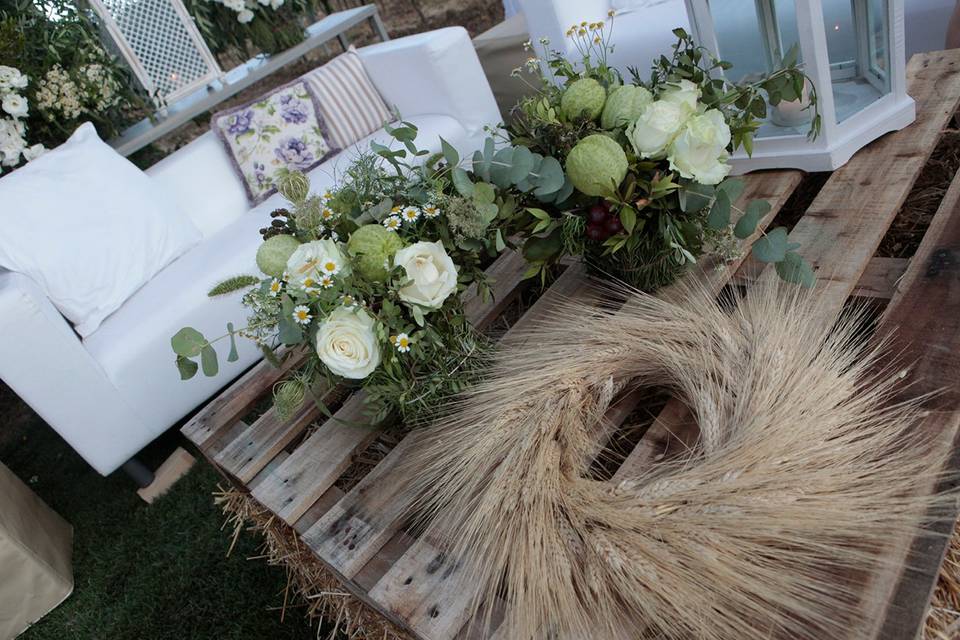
<point x="852" y="50"/>
<point x="161" y="44"/>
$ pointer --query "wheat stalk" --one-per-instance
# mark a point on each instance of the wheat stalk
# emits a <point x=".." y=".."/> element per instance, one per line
<point x="804" y="470"/>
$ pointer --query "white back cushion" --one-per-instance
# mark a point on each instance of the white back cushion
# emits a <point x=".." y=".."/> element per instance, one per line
<point x="204" y="183"/>
<point x="88" y="227"/>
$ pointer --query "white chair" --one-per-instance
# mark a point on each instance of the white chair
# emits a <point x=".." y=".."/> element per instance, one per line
<point x="116" y="390"/>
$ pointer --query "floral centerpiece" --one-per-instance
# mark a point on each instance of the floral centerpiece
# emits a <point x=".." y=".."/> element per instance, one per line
<point x="367" y="276"/>
<point x="648" y="160"/>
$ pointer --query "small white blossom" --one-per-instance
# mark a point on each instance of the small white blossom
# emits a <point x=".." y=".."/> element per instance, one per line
<point x="431" y="211"/>
<point x="15" y="105"/>
<point x="275" y="287"/>
<point x="392" y="222"/>
<point x="301" y="314"/>
<point x="401" y="341"/>
<point x="410" y="214"/>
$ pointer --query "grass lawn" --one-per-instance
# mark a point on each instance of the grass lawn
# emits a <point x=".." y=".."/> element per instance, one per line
<point x="144" y="572"/>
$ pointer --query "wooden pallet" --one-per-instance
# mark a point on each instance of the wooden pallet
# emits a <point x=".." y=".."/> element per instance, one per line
<point x="358" y="534"/>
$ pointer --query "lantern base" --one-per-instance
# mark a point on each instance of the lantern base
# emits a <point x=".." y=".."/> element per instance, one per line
<point x="833" y="148"/>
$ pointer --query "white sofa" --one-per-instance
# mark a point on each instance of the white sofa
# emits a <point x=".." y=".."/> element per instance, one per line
<point x="642" y="29"/>
<point x="115" y="391"/>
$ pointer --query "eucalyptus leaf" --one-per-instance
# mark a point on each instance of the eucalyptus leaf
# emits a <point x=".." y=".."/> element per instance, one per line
<point x="233" y="355"/>
<point x="289" y="332"/>
<point x="187" y="342"/>
<point x="719" y="216"/>
<point x="522" y="161"/>
<point x="793" y="268"/>
<point x="462" y="182"/>
<point x="188" y="368"/>
<point x="748" y="222"/>
<point x="501" y="167"/>
<point x="772" y="246"/>
<point x="208" y="360"/>
<point x="551" y="177"/>
<point x="695" y="196"/>
<point x="450" y="153"/>
<point x="733" y="187"/>
<point x="484" y="193"/>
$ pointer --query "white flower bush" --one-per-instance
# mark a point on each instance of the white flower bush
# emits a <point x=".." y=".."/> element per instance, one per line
<point x="13" y="108"/>
<point x="244" y="8"/>
<point x="432" y="274"/>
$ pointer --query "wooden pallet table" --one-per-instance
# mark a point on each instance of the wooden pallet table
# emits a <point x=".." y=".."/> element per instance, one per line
<point x="292" y="466"/>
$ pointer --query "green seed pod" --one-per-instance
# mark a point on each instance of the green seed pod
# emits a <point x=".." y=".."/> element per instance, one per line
<point x="294" y="186"/>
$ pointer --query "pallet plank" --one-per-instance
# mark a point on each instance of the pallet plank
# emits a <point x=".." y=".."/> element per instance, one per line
<point x="924" y="320"/>
<point x="315" y="465"/>
<point x="843" y="229"/>
<point x="205" y="428"/>
<point x="878" y="281"/>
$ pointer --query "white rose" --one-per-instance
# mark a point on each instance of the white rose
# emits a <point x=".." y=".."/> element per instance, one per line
<point x="431" y="271"/>
<point x="12" y="143"/>
<point x="313" y="260"/>
<point x="656" y="128"/>
<point x="699" y="152"/>
<point x="683" y="93"/>
<point x="245" y="16"/>
<point x="34" y="152"/>
<point x="10" y="77"/>
<point x="347" y="343"/>
<point x="15" y="105"/>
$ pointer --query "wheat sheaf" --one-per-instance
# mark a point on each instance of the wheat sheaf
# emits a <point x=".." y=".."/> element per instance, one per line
<point x="806" y="469"/>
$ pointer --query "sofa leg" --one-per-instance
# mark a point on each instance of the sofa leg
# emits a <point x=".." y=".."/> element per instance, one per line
<point x="172" y="469"/>
<point x="138" y="472"/>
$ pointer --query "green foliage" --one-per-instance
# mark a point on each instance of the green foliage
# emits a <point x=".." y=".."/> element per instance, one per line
<point x="270" y="31"/>
<point x="234" y="284"/>
<point x="37" y="36"/>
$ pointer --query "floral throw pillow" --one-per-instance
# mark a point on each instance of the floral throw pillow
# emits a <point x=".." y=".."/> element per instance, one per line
<point x="280" y="131"/>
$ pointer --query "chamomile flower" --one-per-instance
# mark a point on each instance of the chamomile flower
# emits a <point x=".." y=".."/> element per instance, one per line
<point x="347" y="300"/>
<point x="275" y="287"/>
<point x="326" y="282"/>
<point x="301" y="314"/>
<point x="395" y="210"/>
<point x="431" y="211"/>
<point x="401" y="341"/>
<point x="392" y="223"/>
<point x="328" y="195"/>
<point x="327" y="214"/>
<point x="410" y="214"/>
<point x="329" y="267"/>
<point x="309" y="285"/>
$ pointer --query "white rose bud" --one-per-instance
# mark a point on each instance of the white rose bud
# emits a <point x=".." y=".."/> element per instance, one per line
<point x="684" y="93"/>
<point x="656" y="128"/>
<point x="347" y="343"/>
<point x="699" y="152"/>
<point x="15" y="105"/>
<point x="431" y="271"/>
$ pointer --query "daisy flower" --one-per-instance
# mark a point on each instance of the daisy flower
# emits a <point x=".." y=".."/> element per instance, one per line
<point x="309" y="285"/>
<point x="275" y="287"/>
<point x="401" y="341"/>
<point x="329" y="267"/>
<point x="431" y="211"/>
<point x="327" y="214"/>
<point x="326" y="282"/>
<point x="347" y="300"/>
<point x="301" y="314"/>
<point x="328" y="195"/>
<point x="392" y="223"/>
<point x="396" y="210"/>
<point x="410" y="214"/>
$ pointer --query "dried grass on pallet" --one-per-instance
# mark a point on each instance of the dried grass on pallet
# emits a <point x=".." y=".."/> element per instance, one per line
<point x="943" y="617"/>
<point x="337" y="612"/>
<point x="805" y="470"/>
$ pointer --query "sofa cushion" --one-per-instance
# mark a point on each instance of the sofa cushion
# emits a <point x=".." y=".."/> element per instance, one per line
<point x="134" y="343"/>
<point x="203" y="182"/>
<point x="88" y="227"/>
<point x="350" y="104"/>
<point x="278" y="132"/>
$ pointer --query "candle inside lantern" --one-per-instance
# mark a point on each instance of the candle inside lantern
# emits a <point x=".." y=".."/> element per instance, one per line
<point x="793" y="113"/>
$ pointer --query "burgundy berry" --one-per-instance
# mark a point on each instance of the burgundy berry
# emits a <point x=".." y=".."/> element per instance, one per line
<point x="613" y="225"/>
<point x="598" y="213"/>
<point x="594" y="232"/>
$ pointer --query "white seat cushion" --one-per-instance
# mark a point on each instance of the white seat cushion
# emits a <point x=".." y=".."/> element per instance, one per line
<point x="133" y="344"/>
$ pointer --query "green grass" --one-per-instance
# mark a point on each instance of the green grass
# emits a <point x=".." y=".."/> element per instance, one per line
<point x="145" y="572"/>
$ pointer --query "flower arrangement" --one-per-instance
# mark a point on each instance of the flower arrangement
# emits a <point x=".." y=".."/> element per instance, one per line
<point x="648" y="160"/>
<point x="13" y="129"/>
<point x="368" y="275"/>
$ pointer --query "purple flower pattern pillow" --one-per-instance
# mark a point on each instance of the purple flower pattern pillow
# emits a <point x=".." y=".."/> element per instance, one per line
<point x="281" y="131"/>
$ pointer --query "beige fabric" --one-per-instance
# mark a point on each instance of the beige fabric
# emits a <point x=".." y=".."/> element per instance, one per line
<point x="348" y="101"/>
<point x="500" y="50"/>
<point x="36" y="546"/>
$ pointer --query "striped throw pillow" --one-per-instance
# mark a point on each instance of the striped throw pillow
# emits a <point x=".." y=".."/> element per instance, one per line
<point x="349" y="103"/>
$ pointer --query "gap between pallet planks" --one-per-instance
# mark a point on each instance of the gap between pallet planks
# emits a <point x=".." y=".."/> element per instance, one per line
<point x="839" y="230"/>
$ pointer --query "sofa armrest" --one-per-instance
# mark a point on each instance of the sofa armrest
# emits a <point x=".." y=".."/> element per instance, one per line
<point x="44" y="362"/>
<point x="436" y="72"/>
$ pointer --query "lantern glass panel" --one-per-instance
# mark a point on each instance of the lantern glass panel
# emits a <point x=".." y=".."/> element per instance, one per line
<point x="857" y="37"/>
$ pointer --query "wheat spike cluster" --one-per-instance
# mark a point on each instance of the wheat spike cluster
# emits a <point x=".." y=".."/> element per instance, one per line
<point x="806" y="468"/>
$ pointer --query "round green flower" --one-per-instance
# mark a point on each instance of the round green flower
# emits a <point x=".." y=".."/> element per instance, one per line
<point x="294" y="186"/>
<point x="597" y="165"/>
<point x="373" y="246"/>
<point x="585" y="97"/>
<point x="273" y="254"/>
<point x="624" y="106"/>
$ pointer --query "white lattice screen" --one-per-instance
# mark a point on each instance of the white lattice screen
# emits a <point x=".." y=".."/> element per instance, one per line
<point x="161" y="44"/>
